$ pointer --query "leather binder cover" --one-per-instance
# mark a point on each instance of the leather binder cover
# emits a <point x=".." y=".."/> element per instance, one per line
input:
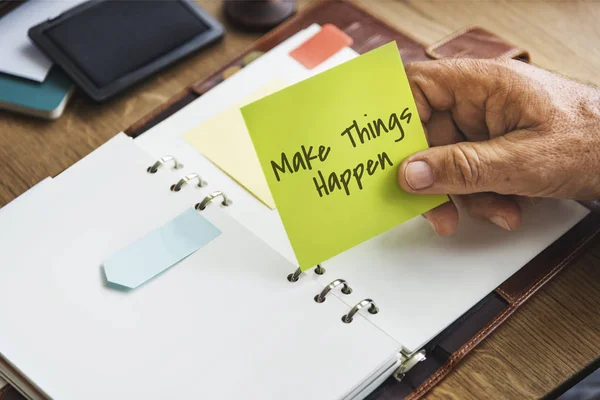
<point x="368" y="32"/>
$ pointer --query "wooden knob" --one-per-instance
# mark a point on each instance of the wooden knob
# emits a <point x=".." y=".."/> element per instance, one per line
<point x="258" y="15"/>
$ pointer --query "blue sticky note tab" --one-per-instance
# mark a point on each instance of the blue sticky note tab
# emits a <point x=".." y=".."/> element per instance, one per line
<point x="159" y="250"/>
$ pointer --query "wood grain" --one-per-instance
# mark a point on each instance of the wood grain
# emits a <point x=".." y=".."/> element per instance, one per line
<point x="550" y="338"/>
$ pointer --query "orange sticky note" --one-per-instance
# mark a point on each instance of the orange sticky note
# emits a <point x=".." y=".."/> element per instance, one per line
<point x="321" y="46"/>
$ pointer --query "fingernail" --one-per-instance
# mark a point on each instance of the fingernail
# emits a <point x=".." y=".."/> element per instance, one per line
<point x="431" y="223"/>
<point x="418" y="175"/>
<point x="501" y="222"/>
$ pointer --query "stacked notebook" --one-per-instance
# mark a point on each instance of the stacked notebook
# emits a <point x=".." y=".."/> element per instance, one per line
<point x="235" y="319"/>
<point x="29" y="83"/>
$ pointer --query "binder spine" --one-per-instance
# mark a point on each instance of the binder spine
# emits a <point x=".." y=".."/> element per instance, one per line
<point x="346" y="289"/>
<point x="225" y="200"/>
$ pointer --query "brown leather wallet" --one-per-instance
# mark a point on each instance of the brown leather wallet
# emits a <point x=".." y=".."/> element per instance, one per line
<point x="447" y="349"/>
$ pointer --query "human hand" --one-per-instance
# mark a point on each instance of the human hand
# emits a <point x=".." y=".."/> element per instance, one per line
<point x="500" y="130"/>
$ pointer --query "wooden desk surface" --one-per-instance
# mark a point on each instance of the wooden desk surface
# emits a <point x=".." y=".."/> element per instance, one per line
<point x="553" y="336"/>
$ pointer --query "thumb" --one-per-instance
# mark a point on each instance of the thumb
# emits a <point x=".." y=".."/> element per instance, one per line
<point x="467" y="167"/>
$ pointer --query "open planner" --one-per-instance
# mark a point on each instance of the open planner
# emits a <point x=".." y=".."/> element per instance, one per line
<point x="234" y="319"/>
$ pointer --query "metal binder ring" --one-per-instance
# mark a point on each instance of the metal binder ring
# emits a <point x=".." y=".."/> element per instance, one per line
<point x="183" y="181"/>
<point x="161" y="161"/>
<point x="407" y="363"/>
<point x="363" y="303"/>
<point x="208" y="199"/>
<point x="295" y="276"/>
<point x="319" y="270"/>
<point x="321" y="296"/>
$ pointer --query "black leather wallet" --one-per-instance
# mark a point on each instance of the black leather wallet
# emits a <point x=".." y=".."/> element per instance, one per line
<point x="107" y="46"/>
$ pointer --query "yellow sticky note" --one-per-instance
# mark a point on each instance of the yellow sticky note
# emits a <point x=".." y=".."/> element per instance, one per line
<point x="224" y="140"/>
<point x="330" y="148"/>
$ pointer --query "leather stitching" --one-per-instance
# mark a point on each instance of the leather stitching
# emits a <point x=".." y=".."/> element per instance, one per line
<point x="504" y="294"/>
<point x="466" y="315"/>
<point x="430" y="50"/>
<point x="456" y="357"/>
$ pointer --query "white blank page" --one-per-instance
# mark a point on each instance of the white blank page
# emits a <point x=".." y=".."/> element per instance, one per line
<point x="224" y="323"/>
<point x="423" y="282"/>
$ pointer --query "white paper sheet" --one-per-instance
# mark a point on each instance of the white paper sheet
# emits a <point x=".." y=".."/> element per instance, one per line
<point x="18" y="54"/>
<point x="34" y="189"/>
<point x="225" y="323"/>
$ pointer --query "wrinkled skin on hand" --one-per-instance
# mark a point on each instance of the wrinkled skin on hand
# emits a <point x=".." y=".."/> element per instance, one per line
<point x="500" y="131"/>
